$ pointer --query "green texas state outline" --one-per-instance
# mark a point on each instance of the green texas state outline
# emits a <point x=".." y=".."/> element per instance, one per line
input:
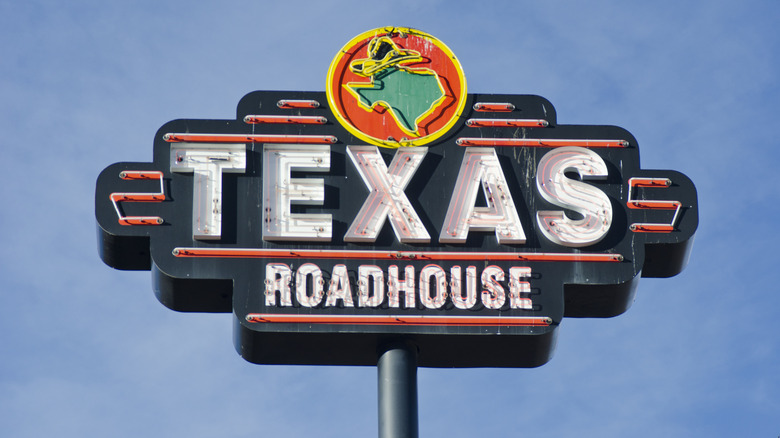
<point x="408" y="94"/>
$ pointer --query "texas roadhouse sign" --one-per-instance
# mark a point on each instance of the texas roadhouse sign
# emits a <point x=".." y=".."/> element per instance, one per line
<point x="395" y="205"/>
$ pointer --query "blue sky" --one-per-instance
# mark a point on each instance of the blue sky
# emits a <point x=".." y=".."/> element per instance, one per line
<point x="88" y="351"/>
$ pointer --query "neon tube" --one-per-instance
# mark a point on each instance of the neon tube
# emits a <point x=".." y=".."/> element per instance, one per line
<point x="263" y="253"/>
<point x="540" y="142"/>
<point x="497" y="107"/>
<point x="427" y="320"/>
<point x="291" y="103"/>
<point x="249" y="138"/>
<point x="301" y="120"/>
<point x="507" y="123"/>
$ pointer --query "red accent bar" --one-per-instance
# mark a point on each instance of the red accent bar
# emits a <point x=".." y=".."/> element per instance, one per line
<point x="540" y="142"/>
<point x="301" y="120"/>
<point x="263" y="253"/>
<point x="290" y="103"/>
<point x="137" y="197"/>
<point x="654" y="205"/>
<point x="140" y="174"/>
<point x="498" y="107"/>
<point x="649" y="182"/>
<point x="651" y="228"/>
<point x="425" y="320"/>
<point x="141" y="220"/>
<point x="249" y="138"/>
<point x="507" y="123"/>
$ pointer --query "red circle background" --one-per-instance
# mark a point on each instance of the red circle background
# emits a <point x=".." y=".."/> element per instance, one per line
<point x="379" y="123"/>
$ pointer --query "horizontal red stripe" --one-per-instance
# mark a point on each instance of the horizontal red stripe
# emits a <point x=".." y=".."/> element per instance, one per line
<point x="291" y="103"/>
<point x="392" y="255"/>
<point x="137" y="197"/>
<point x="423" y="320"/>
<point x="141" y="220"/>
<point x="652" y="228"/>
<point x="649" y="182"/>
<point x="540" y="142"/>
<point x="498" y="107"/>
<point x="653" y="205"/>
<point x="305" y="120"/>
<point x="249" y="138"/>
<point x="140" y="174"/>
<point x="506" y="123"/>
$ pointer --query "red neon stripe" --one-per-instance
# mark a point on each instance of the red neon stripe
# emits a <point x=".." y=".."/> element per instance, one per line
<point x="649" y="182"/>
<point x="480" y="321"/>
<point x="290" y="103"/>
<point x="540" y="142"/>
<point x="137" y="197"/>
<point x="498" y="107"/>
<point x="653" y="205"/>
<point x="507" y="123"/>
<point x="392" y="255"/>
<point x="249" y="138"/>
<point x="304" y="120"/>
<point x="141" y="220"/>
<point x="140" y="174"/>
<point x="651" y="228"/>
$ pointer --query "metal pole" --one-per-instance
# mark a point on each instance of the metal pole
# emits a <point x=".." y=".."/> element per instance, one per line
<point x="397" y="390"/>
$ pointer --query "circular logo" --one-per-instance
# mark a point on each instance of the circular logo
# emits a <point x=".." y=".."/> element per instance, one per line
<point x="396" y="87"/>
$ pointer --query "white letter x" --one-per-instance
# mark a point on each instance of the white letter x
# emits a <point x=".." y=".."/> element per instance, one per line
<point x="387" y="198"/>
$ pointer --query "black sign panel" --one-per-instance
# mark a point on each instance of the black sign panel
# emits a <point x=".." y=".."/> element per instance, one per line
<point x="473" y="246"/>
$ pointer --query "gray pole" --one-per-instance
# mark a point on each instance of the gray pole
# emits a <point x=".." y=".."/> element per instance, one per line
<point x="397" y="390"/>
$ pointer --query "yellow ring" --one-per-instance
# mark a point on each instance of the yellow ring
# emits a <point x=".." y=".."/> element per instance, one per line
<point x="461" y="99"/>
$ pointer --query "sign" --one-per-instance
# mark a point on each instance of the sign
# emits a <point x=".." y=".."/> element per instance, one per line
<point x="395" y="205"/>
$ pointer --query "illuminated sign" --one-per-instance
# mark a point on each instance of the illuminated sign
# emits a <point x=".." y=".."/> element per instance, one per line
<point x="395" y="205"/>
